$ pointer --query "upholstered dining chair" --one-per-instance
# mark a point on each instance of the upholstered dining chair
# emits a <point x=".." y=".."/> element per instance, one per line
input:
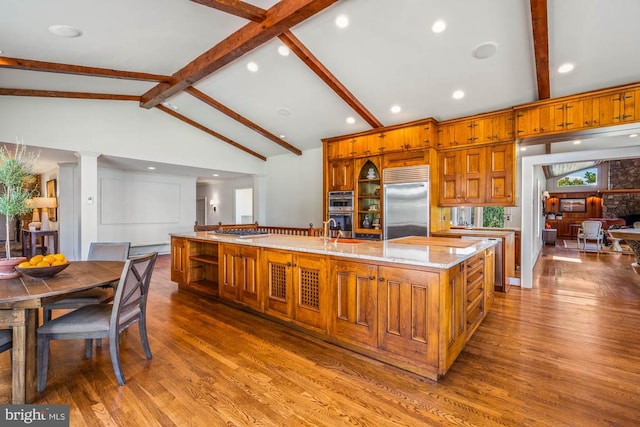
<point x="98" y="251"/>
<point x="104" y="320"/>
<point x="590" y="230"/>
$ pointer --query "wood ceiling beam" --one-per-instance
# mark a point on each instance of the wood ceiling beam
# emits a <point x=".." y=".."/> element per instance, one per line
<point x="60" y="94"/>
<point x="237" y="8"/>
<point x="540" y="29"/>
<point x="53" y="67"/>
<point x="248" y="123"/>
<point x="209" y="131"/>
<point x="282" y="16"/>
<point x="321" y="71"/>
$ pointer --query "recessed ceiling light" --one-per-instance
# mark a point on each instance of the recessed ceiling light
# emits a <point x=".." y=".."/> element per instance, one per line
<point x="633" y="135"/>
<point x="65" y="31"/>
<point x="342" y="21"/>
<point x="523" y="148"/>
<point x="566" y="68"/>
<point x="252" y="66"/>
<point x="170" y="105"/>
<point x="151" y="168"/>
<point x="485" y="50"/>
<point x="283" y="50"/>
<point x="216" y="174"/>
<point x="576" y="142"/>
<point x="284" y="111"/>
<point x="283" y="137"/>
<point x="351" y="120"/>
<point x="438" y="26"/>
<point x="458" y="94"/>
<point x="396" y="109"/>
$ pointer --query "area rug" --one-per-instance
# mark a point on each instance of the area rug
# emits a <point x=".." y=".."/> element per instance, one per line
<point x="593" y="247"/>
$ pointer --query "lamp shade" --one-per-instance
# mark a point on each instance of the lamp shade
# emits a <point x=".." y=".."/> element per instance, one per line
<point x="43" y="202"/>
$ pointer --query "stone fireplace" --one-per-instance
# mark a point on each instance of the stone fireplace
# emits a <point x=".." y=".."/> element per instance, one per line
<point x="623" y="174"/>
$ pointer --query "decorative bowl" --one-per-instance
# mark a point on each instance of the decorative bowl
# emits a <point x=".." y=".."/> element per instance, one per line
<point x="42" y="271"/>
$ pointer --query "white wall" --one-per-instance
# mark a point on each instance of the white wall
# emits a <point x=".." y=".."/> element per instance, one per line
<point x="117" y="128"/>
<point x="144" y="207"/>
<point x="222" y="192"/>
<point x="294" y="189"/>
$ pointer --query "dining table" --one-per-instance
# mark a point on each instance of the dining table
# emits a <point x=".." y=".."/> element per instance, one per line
<point x="20" y="301"/>
<point x="632" y="237"/>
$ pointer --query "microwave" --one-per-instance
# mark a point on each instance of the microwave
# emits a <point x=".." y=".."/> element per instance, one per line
<point x="340" y="201"/>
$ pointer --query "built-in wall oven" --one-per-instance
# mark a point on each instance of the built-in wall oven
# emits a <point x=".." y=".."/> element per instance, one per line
<point x="340" y="206"/>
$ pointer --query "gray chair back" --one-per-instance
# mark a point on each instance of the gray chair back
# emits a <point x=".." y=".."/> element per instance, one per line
<point x="108" y="251"/>
<point x="130" y="300"/>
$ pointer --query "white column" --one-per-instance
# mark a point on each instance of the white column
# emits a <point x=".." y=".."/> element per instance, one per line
<point x="68" y="210"/>
<point x="88" y="200"/>
<point x="260" y="199"/>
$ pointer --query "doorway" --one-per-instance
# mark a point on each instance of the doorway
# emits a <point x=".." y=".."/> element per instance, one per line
<point x="201" y="212"/>
<point x="244" y="205"/>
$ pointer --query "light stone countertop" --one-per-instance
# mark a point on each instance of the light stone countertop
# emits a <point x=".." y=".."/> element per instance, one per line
<point x="386" y="251"/>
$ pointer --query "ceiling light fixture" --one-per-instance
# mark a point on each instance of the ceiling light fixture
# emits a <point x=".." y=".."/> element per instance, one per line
<point x="342" y="21"/>
<point x="216" y="174"/>
<point x="566" y="68"/>
<point x="458" y="94"/>
<point x="633" y="135"/>
<point x="283" y="136"/>
<point x="283" y="50"/>
<point x="170" y="105"/>
<point x="485" y="50"/>
<point x="284" y="111"/>
<point x="252" y="66"/>
<point x="151" y="168"/>
<point x="523" y="148"/>
<point x="438" y="26"/>
<point x="351" y="120"/>
<point x="65" y="31"/>
<point x="576" y="142"/>
<point x="396" y="109"/>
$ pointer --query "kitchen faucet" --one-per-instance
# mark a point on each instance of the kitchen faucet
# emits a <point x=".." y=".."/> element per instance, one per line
<point x="325" y="234"/>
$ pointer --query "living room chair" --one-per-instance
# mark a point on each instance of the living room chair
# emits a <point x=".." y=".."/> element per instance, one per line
<point x="590" y="230"/>
<point x="98" y="251"/>
<point x="104" y="320"/>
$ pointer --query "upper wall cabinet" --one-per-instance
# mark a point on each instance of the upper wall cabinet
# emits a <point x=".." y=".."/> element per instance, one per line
<point x="596" y="109"/>
<point x="480" y="129"/>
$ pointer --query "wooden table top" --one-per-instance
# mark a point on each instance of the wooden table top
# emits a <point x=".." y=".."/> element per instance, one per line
<point x="28" y="292"/>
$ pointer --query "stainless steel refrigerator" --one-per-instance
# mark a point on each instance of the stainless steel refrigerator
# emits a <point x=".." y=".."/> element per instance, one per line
<point x="406" y="201"/>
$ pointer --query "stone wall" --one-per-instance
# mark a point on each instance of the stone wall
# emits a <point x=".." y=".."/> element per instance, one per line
<point x="623" y="174"/>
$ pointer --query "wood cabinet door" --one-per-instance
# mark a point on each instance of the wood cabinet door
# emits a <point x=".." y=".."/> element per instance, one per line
<point x="450" y="178"/>
<point x="420" y="136"/>
<point x="481" y="131"/>
<point x="278" y="281"/>
<point x="626" y="107"/>
<point x="179" y="260"/>
<point x="408" y="308"/>
<point x="527" y="122"/>
<point x="502" y="127"/>
<point x="490" y="277"/>
<point x="574" y="114"/>
<point x="455" y="320"/>
<point x="310" y="291"/>
<point x="354" y="302"/>
<point x="500" y="174"/>
<point x="405" y="158"/>
<point x="394" y="140"/>
<point x="376" y="143"/>
<point x="341" y="177"/>
<point x="462" y="133"/>
<point x="358" y="146"/>
<point x="228" y="276"/>
<point x="473" y="176"/>
<point x="446" y="136"/>
<point x="247" y="276"/>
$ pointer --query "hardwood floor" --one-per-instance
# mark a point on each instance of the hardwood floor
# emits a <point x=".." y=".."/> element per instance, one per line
<point x="566" y="353"/>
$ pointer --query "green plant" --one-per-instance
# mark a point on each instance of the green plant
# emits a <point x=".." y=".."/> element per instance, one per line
<point x="16" y="167"/>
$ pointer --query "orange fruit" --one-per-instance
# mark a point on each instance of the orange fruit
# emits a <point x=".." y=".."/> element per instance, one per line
<point x="56" y="262"/>
<point x="59" y="257"/>
<point x="48" y="259"/>
<point x="36" y="259"/>
<point x="43" y="264"/>
<point x="25" y="264"/>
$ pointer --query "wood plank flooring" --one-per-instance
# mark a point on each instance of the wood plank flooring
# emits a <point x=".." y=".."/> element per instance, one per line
<point x="565" y="353"/>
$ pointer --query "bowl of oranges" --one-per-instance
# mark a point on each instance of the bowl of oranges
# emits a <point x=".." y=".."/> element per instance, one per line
<point x="43" y="265"/>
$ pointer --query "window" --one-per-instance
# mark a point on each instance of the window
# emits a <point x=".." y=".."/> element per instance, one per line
<point x="579" y="178"/>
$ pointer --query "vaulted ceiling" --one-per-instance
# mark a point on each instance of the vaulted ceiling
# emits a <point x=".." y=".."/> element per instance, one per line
<point x="190" y="58"/>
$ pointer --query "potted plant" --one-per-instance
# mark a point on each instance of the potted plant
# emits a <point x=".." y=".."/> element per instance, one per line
<point x="16" y="167"/>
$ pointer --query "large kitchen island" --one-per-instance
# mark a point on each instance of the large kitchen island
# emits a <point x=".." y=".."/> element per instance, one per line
<point x="412" y="302"/>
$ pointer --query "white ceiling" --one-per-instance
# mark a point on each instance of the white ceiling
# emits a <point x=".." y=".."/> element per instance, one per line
<point x="387" y="55"/>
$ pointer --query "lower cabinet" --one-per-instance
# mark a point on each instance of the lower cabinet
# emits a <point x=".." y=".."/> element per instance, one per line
<point x="455" y="323"/>
<point x="239" y="275"/>
<point x="194" y="265"/>
<point x="297" y="288"/>
<point x="408" y="308"/>
<point x="354" y="304"/>
<point x="179" y="260"/>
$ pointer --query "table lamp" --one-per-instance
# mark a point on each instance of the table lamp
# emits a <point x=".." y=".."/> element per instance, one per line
<point x="41" y="207"/>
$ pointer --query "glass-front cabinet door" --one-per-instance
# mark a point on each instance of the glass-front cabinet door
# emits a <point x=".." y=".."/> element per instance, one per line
<point x="368" y="207"/>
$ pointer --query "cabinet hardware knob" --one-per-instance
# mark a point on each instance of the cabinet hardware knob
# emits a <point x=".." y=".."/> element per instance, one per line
<point x="288" y="264"/>
<point x="372" y="277"/>
<point x="380" y="279"/>
<point x="294" y="264"/>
